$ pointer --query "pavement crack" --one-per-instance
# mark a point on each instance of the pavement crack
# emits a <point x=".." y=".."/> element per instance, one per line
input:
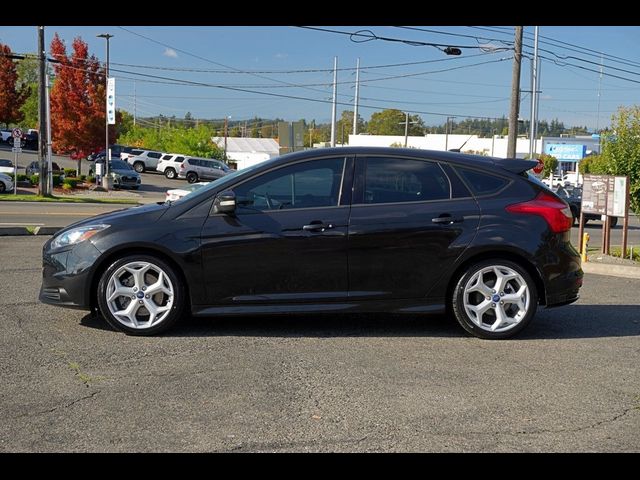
<point x="64" y="406"/>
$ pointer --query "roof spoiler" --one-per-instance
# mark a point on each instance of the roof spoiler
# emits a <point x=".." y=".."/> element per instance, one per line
<point x="515" y="165"/>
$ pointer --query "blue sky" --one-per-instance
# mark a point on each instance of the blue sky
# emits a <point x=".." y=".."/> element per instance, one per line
<point x="476" y="83"/>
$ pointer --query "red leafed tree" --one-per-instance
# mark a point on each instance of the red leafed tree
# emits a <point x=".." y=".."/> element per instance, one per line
<point x="10" y="99"/>
<point x="77" y="101"/>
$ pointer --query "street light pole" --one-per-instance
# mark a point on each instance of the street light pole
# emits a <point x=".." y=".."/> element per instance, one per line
<point x="105" y="178"/>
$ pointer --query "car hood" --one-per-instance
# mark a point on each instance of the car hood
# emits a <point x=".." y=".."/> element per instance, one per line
<point x="151" y="213"/>
<point x="125" y="172"/>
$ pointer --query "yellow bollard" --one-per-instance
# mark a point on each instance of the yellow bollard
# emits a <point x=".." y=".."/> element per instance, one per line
<point x="585" y="244"/>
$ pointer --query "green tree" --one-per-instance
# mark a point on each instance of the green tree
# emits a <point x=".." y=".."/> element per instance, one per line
<point x="345" y="126"/>
<point x="593" y="164"/>
<point x="28" y="77"/>
<point x="392" y="122"/>
<point x="622" y="151"/>
<point x="124" y="123"/>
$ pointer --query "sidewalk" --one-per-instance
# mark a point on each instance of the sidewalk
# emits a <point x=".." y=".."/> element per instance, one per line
<point x="601" y="264"/>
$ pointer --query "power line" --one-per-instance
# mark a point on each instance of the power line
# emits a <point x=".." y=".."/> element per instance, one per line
<point x="369" y="35"/>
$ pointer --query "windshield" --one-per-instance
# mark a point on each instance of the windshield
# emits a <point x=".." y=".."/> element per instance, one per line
<point x="119" y="165"/>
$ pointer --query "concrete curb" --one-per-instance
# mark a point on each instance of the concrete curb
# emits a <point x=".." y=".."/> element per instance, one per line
<point x="22" y="231"/>
<point x="625" y="271"/>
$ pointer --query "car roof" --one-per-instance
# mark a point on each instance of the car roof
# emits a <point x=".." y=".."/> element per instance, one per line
<point x="511" y="164"/>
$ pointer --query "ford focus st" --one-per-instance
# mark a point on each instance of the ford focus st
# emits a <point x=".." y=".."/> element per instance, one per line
<point x="352" y="229"/>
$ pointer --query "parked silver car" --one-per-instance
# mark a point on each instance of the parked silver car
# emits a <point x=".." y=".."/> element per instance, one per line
<point x="194" y="169"/>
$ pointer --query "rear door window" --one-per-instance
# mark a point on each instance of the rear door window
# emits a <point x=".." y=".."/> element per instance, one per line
<point x="394" y="180"/>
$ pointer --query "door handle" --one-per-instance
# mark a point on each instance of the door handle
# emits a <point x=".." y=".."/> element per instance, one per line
<point x="448" y="219"/>
<point x="316" y="226"/>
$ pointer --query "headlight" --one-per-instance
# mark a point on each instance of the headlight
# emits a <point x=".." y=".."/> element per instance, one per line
<point x="76" y="235"/>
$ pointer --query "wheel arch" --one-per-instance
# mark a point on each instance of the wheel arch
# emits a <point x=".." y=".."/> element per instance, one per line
<point x="107" y="260"/>
<point x="503" y="255"/>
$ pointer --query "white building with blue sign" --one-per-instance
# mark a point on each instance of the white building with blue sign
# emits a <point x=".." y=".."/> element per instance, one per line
<point x="570" y="150"/>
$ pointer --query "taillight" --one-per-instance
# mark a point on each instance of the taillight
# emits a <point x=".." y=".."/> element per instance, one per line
<point x="182" y="167"/>
<point x="556" y="213"/>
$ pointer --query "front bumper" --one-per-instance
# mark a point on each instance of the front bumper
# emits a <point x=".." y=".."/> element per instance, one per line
<point x="67" y="274"/>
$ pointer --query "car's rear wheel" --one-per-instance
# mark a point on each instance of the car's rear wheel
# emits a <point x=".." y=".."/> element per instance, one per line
<point x="140" y="295"/>
<point x="170" y="173"/>
<point x="138" y="167"/>
<point x="192" y="177"/>
<point x="3" y="187"/>
<point x="494" y="299"/>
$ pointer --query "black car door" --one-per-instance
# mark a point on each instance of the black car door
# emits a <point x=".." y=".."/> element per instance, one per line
<point x="409" y="222"/>
<point x="287" y="241"/>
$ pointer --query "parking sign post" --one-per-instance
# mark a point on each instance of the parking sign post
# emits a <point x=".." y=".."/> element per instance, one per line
<point x="16" y="133"/>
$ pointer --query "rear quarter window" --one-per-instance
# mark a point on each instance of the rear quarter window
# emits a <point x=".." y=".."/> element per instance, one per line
<point x="481" y="183"/>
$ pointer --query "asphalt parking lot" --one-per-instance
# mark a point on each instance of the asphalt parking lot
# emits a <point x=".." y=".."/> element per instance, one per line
<point x="358" y="383"/>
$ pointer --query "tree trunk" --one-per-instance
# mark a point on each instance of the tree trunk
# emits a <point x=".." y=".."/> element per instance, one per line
<point x="78" y="167"/>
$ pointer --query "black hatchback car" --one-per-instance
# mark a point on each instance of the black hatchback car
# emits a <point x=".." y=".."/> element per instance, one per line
<point x="350" y="229"/>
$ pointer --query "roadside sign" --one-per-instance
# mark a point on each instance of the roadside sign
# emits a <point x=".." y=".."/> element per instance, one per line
<point x="539" y="167"/>
<point x="16" y="142"/>
<point x="16" y="132"/>
<point x="16" y="150"/>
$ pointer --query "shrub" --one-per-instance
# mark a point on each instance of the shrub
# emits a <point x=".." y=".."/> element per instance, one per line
<point x="70" y="172"/>
<point x="57" y="181"/>
<point x="91" y="179"/>
<point x="83" y="178"/>
<point x="34" y="179"/>
<point x="70" y="183"/>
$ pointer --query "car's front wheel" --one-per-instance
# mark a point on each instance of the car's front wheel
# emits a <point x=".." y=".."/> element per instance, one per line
<point x="140" y="295"/>
<point x="170" y="173"/>
<point x="138" y="167"/>
<point x="494" y="299"/>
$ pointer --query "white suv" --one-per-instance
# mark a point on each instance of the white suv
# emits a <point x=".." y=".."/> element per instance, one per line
<point x="169" y="164"/>
<point x="143" y="160"/>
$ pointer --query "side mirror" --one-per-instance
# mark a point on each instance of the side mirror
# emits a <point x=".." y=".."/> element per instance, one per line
<point x="225" y="202"/>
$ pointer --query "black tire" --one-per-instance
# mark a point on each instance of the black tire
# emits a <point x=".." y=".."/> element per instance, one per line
<point x="139" y="167"/>
<point x="170" y="173"/>
<point x="192" y="177"/>
<point x="3" y="187"/>
<point x="175" y="312"/>
<point x="463" y="317"/>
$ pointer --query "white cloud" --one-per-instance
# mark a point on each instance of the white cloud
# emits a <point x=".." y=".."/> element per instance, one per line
<point x="170" y="52"/>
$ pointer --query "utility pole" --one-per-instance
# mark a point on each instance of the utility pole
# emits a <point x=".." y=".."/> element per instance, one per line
<point x="43" y="184"/>
<point x="49" y="152"/>
<point x="406" y="128"/>
<point x="599" y="83"/>
<point x="226" y="132"/>
<point x="333" y="103"/>
<point x="134" y="103"/>
<point x="355" y="106"/>
<point x="534" y="95"/>
<point x="515" y="95"/>
<point x="107" y="156"/>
